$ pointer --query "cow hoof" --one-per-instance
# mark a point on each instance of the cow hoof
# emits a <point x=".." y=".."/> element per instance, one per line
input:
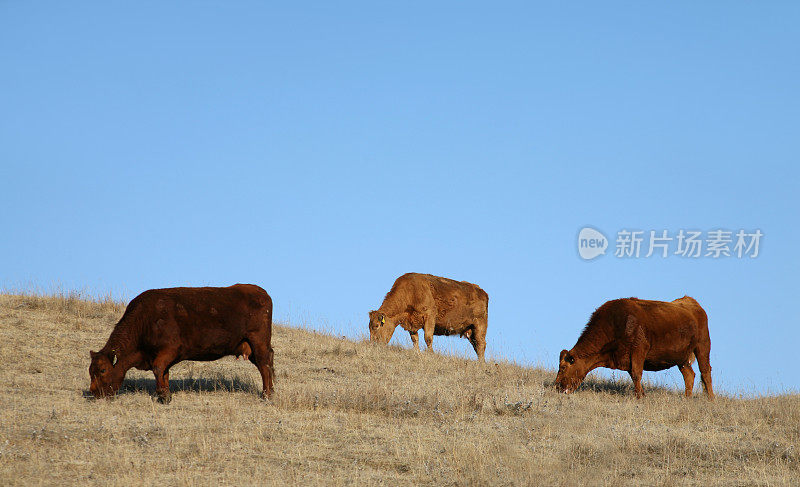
<point x="265" y="396"/>
<point x="165" y="399"/>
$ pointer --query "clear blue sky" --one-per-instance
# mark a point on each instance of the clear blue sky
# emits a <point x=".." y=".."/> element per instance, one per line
<point x="321" y="150"/>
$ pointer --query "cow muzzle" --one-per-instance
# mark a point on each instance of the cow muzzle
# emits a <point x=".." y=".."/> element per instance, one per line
<point x="100" y="391"/>
<point x="566" y="386"/>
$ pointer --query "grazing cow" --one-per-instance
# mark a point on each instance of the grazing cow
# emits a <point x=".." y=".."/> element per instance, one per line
<point x="162" y="327"/>
<point x="635" y="334"/>
<point x="437" y="305"/>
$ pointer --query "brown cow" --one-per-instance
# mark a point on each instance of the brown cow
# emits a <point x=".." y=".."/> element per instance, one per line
<point x="162" y="327"/>
<point x="438" y="305"/>
<point x="636" y="334"/>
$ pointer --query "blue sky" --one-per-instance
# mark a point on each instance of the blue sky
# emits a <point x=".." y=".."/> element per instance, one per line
<point x="321" y="150"/>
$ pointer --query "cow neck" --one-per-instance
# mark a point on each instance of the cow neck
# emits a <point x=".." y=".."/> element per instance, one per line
<point x="592" y="342"/>
<point x="391" y="312"/>
<point x="400" y="319"/>
<point x="124" y="339"/>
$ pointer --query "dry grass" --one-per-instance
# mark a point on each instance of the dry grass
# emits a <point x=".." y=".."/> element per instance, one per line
<point x="353" y="413"/>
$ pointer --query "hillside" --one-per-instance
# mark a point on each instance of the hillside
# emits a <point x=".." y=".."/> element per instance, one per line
<point x="353" y="413"/>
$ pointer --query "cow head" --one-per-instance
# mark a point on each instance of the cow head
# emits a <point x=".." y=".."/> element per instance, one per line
<point x="104" y="374"/>
<point x="571" y="371"/>
<point x="381" y="328"/>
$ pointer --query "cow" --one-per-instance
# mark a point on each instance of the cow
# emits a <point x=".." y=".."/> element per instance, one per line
<point x="636" y="334"/>
<point x="162" y="327"/>
<point x="437" y="305"/>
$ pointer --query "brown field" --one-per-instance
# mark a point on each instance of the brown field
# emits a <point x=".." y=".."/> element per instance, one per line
<point x="353" y="413"/>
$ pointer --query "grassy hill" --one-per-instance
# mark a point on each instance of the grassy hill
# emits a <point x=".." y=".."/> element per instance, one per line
<point x="353" y="413"/>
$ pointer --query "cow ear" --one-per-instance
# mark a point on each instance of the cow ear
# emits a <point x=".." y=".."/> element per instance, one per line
<point x="92" y="354"/>
<point x="561" y="355"/>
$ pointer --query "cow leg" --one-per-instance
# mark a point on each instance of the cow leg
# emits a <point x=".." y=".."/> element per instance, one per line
<point x="428" y="326"/>
<point x="161" y="371"/>
<point x="267" y="374"/>
<point x="702" y="353"/>
<point x="261" y="357"/>
<point x="415" y="339"/>
<point x="688" y="378"/>
<point x="478" y="341"/>
<point x="429" y="337"/>
<point x="637" y="366"/>
<point x="636" y="375"/>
